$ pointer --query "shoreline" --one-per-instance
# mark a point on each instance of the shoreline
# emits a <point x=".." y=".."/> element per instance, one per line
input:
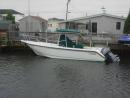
<point x="123" y="52"/>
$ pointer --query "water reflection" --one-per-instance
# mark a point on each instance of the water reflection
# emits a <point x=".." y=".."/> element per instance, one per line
<point x="27" y="76"/>
<point x="70" y="80"/>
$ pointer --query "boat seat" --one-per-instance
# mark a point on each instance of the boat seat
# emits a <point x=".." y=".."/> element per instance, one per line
<point x="79" y="46"/>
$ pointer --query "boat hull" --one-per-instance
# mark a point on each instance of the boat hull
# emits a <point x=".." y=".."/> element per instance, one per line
<point x="48" y="50"/>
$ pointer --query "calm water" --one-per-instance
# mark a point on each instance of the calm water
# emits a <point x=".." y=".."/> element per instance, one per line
<point x="30" y="76"/>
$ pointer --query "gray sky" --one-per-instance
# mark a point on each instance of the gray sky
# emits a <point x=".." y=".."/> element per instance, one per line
<point x="78" y="8"/>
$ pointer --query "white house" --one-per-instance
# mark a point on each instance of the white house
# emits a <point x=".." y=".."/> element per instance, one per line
<point x="4" y="12"/>
<point x="53" y="24"/>
<point x="97" y="24"/>
<point x="32" y="24"/>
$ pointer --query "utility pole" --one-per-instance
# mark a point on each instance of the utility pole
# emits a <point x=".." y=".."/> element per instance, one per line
<point x="90" y="32"/>
<point x="103" y="10"/>
<point x="67" y="12"/>
<point x="29" y="7"/>
<point x="29" y="16"/>
<point x="86" y="14"/>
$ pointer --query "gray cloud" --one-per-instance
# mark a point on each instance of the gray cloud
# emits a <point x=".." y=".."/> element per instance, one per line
<point x="78" y="8"/>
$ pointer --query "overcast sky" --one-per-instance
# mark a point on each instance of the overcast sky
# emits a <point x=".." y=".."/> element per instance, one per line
<point x="78" y="8"/>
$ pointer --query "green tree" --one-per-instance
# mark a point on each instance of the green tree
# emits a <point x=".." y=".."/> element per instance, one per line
<point x="10" y="17"/>
<point x="127" y="25"/>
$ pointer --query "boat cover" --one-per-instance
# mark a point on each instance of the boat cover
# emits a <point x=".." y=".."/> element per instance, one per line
<point x="124" y="39"/>
<point x="67" y="30"/>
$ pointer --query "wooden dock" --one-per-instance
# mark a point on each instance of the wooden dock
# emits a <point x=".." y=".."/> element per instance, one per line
<point x="106" y="40"/>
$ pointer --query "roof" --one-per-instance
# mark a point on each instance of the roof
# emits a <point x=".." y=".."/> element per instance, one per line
<point x="56" y="19"/>
<point x="5" y="11"/>
<point x="35" y="17"/>
<point x="97" y="15"/>
<point x="38" y="18"/>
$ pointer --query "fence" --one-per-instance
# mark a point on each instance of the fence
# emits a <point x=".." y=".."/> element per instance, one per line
<point x="53" y="37"/>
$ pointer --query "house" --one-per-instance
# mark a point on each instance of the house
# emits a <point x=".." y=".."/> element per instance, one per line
<point x="4" y="12"/>
<point x="4" y="28"/>
<point x="53" y="24"/>
<point x="97" y="24"/>
<point x="32" y="24"/>
<point x="8" y="30"/>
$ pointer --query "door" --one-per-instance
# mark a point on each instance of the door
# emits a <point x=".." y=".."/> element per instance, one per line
<point x="94" y="28"/>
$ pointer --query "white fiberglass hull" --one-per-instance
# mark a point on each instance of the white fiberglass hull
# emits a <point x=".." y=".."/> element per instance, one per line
<point x="55" y="51"/>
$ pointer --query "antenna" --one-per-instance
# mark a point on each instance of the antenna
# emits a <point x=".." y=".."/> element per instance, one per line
<point x="103" y="10"/>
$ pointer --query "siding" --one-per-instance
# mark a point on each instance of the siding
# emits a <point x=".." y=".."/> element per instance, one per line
<point x="110" y="25"/>
<point x="29" y="24"/>
<point x="105" y="24"/>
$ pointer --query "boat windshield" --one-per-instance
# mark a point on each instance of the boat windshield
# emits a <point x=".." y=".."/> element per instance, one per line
<point x="67" y="42"/>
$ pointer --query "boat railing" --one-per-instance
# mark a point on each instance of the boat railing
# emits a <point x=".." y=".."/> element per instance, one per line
<point x="86" y="38"/>
<point x="39" y="36"/>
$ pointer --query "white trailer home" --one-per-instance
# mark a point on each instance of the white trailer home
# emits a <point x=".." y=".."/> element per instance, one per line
<point x="97" y="24"/>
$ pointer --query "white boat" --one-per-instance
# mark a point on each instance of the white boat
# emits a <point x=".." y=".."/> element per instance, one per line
<point x="59" y="51"/>
<point x="55" y="51"/>
<point x="67" y="49"/>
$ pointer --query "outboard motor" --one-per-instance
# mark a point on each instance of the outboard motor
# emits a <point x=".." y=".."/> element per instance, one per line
<point x="109" y="56"/>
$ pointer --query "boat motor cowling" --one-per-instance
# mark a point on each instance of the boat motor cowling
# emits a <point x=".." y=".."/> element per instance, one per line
<point x="109" y="56"/>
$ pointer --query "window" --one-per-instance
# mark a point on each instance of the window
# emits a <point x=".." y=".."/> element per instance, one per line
<point x="50" y="25"/>
<point x="118" y="25"/>
<point x="86" y="26"/>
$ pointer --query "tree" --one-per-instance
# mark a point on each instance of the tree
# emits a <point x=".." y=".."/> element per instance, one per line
<point x="10" y="17"/>
<point x="127" y="25"/>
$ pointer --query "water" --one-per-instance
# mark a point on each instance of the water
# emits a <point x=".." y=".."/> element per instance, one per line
<point x="30" y="76"/>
